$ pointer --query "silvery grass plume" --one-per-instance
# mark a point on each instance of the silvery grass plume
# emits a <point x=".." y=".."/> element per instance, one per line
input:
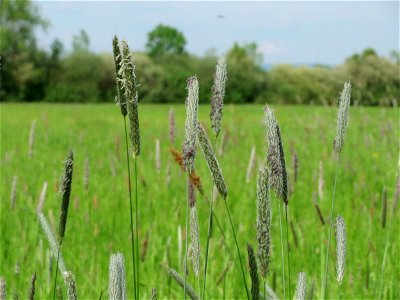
<point x="263" y="220"/>
<point x="52" y="241"/>
<point x="178" y="278"/>
<point x="218" y="94"/>
<point x="321" y="181"/>
<point x="384" y="207"/>
<point x="343" y="116"/>
<point x="157" y="156"/>
<point x="86" y="174"/>
<point x="71" y="285"/>
<point x="42" y="197"/>
<point x="65" y="190"/>
<point x="255" y="283"/>
<point x="3" y="292"/>
<point x="340" y="249"/>
<point x="192" y="103"/>
<point x="130" y="91"/>
<point x="301" y="287"/>
<point x="212" y="161"/>
<point x="250" y="166"/>
<point x="31" y="139"/>
<point x="276" y="157"/>
<point x="120" y="98"/>
<point x="116" y="278"/>
<point x="31" y="295"/>
<point x="172" y="126"/>
<point x="13" y="192"/>
<point x="194" y="229"/>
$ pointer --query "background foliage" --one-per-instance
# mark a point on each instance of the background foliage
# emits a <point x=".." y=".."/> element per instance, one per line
<point x="32" y="74"/>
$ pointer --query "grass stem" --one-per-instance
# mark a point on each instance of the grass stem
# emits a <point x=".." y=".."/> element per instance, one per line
<point x="283" y="256"/>
<point x="186" y="239"/>
<point x="287" y="248"/>
<point x="131" y="213"/>
<point x="237" y="247"/>
<point x="137" y="229"/>
<point x="330" y="228"/>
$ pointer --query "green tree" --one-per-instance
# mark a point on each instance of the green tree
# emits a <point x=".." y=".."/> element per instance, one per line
<point x="21" y="60"/>
<point x="165" y="40"/>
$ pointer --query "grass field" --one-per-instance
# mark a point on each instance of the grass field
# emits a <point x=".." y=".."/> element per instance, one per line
<point x="98" y="221"/>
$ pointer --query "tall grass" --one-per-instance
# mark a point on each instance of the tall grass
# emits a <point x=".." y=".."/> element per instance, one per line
<point x="342" y="120"/>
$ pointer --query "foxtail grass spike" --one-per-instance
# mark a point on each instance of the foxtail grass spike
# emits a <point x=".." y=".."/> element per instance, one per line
<point x="276" y="157"/>
<point x="3" y="291"/>
<point x="120" y="98"/>
<point x="153" y="294"/>
<point x="13" y="192"/>
<point x="340" y="249"/>
<point x="194" y="240"/>
<point x="116" y="278"/>
<point x="255" y="283"/>
<point x="31" y="295"/>
<point x="384" y="208"/>
<point x="212" y="162"/>
<point x="301" y="287"/>
<point x="178" y="278"/>
<point x="42" y="198"/>
<point x="71" y="285"/>
<point x="86" y="174"/>
<point x="130" y="88"/>
<point x="250" y="166"/>
<point x="65" y="190"/>
<point x="263" y="220"/>
<point x="31" y="139"/>
<point x="192" y="103"/>
<point x="54" y="246"/>
<point x="342" y="117"/>
<point x="172" y="126"/>
<point x="218" y="94"/>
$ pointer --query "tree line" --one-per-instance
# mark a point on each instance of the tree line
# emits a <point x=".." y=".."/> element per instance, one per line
<point x="29" y="73"/>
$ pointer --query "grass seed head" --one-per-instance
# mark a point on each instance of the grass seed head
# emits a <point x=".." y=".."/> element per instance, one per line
<point x="301" y="286"/>
<point x="194" y="240"/>
<point x="116" y="277"/>
<point x="255" y="283"/>
<point x="71" y="285"/>
<point x="342" y="117"/>
<point x="212" y="161"/>
<point x="178" y="278"/>
<point x="120" y="98"/>
<point x="276" y="157"/>
<point x="218" y="94"/>
<point x="42" y="198"/>
<point x="130" y="88"/>
<point x="3" y="291"/>
<point x="192" y="103"/>
<point x="65" y="190"/>
<point x="263" y="220"/>
<point x="340" y="249"/>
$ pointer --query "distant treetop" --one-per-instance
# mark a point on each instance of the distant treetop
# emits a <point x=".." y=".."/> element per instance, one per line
<point x="165" y="40"/>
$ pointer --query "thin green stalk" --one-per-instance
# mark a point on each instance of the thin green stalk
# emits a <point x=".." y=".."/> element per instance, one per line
<point x="287" y="248"/>
<point x="283" y="256"/>
<point x="330" y="228"/>
<point x="383" y="267"/>
<point x="130" y="206"/>
<point x="55" y="278"/>
<point x="208" y="242"/>
<point x="238" y="250"/>
<point x="137" y="227"/>
<point x="186" y="239"/>
<point x="208" y="234"/>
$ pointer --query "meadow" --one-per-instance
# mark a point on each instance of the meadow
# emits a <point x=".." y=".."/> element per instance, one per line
<point x="98" y="221"/>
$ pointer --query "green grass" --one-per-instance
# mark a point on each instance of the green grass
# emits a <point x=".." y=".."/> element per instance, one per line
<point x="98" y="221"/>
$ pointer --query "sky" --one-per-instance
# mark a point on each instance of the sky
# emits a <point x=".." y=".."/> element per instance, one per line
<point x="293" y="32"/>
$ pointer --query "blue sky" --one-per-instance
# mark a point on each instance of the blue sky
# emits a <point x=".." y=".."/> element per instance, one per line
<point x="296" y="32"/>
